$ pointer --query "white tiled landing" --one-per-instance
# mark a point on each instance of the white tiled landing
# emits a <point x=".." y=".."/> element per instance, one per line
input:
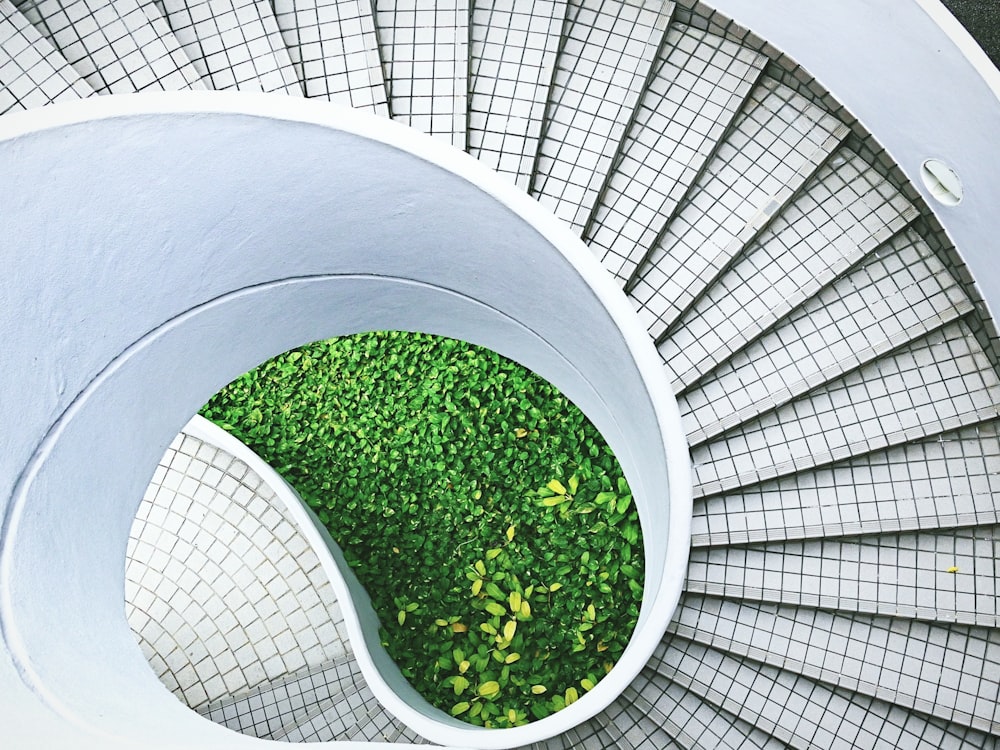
<point x="222" y="591"/>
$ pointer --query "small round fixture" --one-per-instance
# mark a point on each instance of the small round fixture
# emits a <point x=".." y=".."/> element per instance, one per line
<point x="942" y="182"/>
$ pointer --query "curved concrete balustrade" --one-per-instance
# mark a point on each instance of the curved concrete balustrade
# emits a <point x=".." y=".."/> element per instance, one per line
<point x="210" y="235"/>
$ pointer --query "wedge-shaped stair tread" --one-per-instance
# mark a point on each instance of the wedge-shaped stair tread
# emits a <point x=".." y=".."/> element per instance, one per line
<point x="425" y="52"/>
<point x="937" y="383"/>
<point x="512" y="57"/>
<point x="333" y="47"/>
<point x="775" y="146"/>
<point x="901" y="575"/>
<point x="885" y="303"/>
<point x="801" y="712"/>
<point x="607" y="54"/>
<point x="688" y="718"/>
<point x="820" y="236"/>
<point x="330" y="720"/>
<point x="118" y="46"/>
<point x="32" y="72"/>
<point x="948" y="671"/>
<point x="639" y="730"/>
<point x="944" y="481"/>
<point x="269" y="707"/>
<point x="701" y="81"/>
<point x="233" y="44"/>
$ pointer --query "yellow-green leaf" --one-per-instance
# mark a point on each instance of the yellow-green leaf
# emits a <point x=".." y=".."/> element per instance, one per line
<point x="495" y="609"/>
<point x="459" y="627"/>
<point x="463" y="666"/>
<point x="494" y="553"/>
<point x="572" y="696"/>
<point x="514" y="600"/>
<point x="520" y="432"/>
<point x="477" y="586"/>
<point x="480" y="567"/>
<point x="509" y="630"/>
<point x="441" y="623"/>
<point x="459" y="708"/>
<point x="460" y="685"/>
<point x="525" y="609"/>
<point x="511" y="658"/>
<point x="574" y="484"/>
<point x="555" y="587"/>
<point x="591" y="612"/>
<point x="489" y="689"/>
<point x="557" y="487"/>
<point x="510" y="533"/>
<point x="401" y="617"/>
<point x="587" y="684"/>
<point x="538" y="689"/>
<point x="550" y="502"/>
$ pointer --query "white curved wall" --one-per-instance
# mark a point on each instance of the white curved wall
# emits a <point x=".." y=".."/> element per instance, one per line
<point x="154" y="253"/>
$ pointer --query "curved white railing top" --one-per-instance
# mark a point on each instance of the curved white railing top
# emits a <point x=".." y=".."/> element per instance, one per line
<point x="159" y="246"/>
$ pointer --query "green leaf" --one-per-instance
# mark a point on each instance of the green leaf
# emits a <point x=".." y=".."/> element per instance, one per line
<point x="489" y="689"/>
<point x="460" y="708"/>
<point x="460" y="684"/>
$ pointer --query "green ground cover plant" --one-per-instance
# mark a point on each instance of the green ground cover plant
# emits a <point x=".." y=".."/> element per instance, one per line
<point x="482" y="511"/>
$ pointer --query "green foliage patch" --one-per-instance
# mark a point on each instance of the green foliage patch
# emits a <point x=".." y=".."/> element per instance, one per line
<point x="484" y="514"/>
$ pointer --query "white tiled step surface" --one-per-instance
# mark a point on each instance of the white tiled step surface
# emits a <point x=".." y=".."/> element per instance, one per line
<point x="944" y="481"/>
<point x="512" y="56"/>
<point x="846" y="213"/>
<point x="273" y="707"/>
<point x="118" y="46"/>
<point x="801" y="712"/>
<point x="944" y="670"/>
<point x="882" y="305"/>
<point x="425" y="52"/>
<point x="607" y="54"/>
<point x="32" y="72"/>
<point x="898" y="575"/>
<point x="776" y="144"/>
<point x="222" y="591"/>
<point x="234" y="44"/>
<point x="694" y="722"/>
<point x="334" y="49"/>
<point x="940" y="382"/>
<point x="700" y="82"/>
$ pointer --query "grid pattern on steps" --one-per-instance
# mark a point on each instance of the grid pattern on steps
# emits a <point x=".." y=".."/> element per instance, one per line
<point x="233" y="44"/>
<point x="221" y="590"/>
<point x="944" y="670"/>
<point x="333" y="47"/>
<point x="332" y="718"/>
<point x="939" y="382"/>
<point x="32" y="72"/>
<point x="884" y="304"/>
<point x="846" y="214"/>
<point x="700" y="82"/>
<point x="800" y="712"/>
<point x="944" y="481"/>
<point x="692" y="720"/>
<point x="901" y="575"/>
<point x="425" y="54"/>
<point x="639" y="730"/>
<point x="607" y="53"/>
<point x="775" y="144"/>
<point x="512" y="56"/>
<point x="273" y="706"/>
<point x="117" y="46"/>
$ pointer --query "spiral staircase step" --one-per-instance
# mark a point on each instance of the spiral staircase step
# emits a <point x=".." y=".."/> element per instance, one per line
<point x="947" y="575"/>
<point x="799" y="711"/>
<point x="701" y="81"/>
<point x="234" y="44"/>
<point x="779" y="140"/>
<point x="604" y="63"/>
<point x="944" y="481"/>
<point x="127" y="47"/>
<point x="425" y="55"/>
<point x="32" y="72"/>
<point x="511" y="61"/>
<point x="333" y="46"/>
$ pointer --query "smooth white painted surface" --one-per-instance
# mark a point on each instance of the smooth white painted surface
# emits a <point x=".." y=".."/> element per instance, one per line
<point x="156" y="247"/>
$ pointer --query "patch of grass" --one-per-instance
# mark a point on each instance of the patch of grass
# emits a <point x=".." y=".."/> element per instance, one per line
<point x="484" y="514"/>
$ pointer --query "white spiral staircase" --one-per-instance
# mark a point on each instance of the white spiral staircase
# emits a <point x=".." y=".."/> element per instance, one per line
<point x="834" y="361"/>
